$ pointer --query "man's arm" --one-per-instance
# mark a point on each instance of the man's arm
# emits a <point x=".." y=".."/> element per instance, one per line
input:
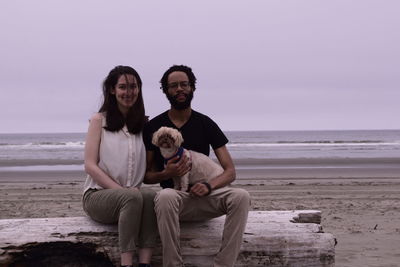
<point x="174" y="167"/>
<point x="227" y="177"/>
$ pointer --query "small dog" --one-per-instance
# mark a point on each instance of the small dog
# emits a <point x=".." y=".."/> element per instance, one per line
<point x="169" y="140"/>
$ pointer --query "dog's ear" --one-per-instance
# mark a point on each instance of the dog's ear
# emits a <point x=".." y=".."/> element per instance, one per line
<point x="178" y="138"/>
<point x="156" y="135"/>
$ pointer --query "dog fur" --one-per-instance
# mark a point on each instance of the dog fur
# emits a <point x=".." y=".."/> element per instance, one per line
<point x="169" y="140"/>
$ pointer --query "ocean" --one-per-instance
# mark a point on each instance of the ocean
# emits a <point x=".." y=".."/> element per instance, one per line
<point x="65" y="150"/>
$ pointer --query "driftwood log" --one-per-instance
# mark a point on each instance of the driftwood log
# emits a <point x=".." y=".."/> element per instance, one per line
<point x="272" y="238"/>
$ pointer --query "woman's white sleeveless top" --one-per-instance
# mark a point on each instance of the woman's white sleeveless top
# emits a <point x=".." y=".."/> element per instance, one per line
<point x="122" y="156"/>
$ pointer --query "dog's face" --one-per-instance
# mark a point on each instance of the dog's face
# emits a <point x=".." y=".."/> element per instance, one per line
<point x="167" y="137"/>
<point x="165" y="141"/>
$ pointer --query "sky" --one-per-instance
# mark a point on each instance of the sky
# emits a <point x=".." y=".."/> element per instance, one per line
<point x="260" y="64"/>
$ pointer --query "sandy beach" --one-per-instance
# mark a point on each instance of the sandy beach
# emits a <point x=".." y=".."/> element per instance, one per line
<point x="359" y="199"/>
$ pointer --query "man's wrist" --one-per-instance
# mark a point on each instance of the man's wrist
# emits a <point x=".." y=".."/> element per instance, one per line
<point x="208" y="187"/>
<point x="164" y="175"/>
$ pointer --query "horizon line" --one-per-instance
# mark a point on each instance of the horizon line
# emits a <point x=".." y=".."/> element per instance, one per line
<point x="253" y="130"/>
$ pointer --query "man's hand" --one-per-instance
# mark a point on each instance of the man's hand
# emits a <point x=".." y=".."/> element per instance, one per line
<point x="200" y="190"/>
<point x="177" y="166"/>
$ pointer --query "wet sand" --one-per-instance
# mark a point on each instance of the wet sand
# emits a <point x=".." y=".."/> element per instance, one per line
<point x="359" y="199"/>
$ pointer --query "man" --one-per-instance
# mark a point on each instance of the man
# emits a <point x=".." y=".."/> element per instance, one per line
<point x="205" y="200"/>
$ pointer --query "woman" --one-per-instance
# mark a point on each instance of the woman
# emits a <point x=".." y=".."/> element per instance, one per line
<point x="115" y="161"/>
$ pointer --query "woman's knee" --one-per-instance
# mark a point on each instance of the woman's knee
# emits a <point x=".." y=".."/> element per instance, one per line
<point x="148" y="194"/>
<point x="131" y="197"/>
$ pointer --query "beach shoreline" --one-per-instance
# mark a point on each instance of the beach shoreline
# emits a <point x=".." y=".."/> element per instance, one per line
<point x="326" y="161"/>
<point x="360" y="203"/>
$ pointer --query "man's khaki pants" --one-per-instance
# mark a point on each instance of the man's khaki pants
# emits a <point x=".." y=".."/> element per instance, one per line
<point x="172" y="206"/>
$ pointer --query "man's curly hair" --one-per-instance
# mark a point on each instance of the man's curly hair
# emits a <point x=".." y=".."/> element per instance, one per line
<point x="183" y="68"/>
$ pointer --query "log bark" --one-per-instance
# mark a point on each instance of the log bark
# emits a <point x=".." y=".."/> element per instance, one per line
<point x="272" y="238"/>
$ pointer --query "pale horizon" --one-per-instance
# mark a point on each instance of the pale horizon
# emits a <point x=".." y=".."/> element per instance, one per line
<point x="261" y="65"/>
<point x="314" y="130"/>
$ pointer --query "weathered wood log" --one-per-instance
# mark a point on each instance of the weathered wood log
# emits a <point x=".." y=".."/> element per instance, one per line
<point x="272" y="238"/>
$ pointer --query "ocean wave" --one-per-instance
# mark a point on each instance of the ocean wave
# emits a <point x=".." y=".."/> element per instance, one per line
<point x="332" y="142"/>
<point x="81" y="144"/>
<point x="288" y="144"/>
<point x="43" y="168"/>
<point x="45" y="145"/>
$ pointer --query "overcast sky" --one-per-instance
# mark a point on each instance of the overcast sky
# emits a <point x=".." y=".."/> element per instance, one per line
<point x="261" y="65"/>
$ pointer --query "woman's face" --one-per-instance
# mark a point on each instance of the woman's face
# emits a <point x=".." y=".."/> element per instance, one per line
<point x="126" y="92"/>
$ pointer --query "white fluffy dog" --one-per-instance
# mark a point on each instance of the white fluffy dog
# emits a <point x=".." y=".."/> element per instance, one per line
<point x="169" y="140"/>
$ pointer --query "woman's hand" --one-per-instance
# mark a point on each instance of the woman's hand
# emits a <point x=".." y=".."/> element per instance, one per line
<point x="134" y="188"/>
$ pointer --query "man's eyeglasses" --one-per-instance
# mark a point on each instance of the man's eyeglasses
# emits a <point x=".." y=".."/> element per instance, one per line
<point x="184" y="85"/>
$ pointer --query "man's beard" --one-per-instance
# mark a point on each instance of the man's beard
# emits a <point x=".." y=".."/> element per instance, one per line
<point x="180" y="105"/>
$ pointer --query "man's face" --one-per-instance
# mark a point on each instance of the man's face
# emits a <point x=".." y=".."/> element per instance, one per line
<point x="179" y="93"/>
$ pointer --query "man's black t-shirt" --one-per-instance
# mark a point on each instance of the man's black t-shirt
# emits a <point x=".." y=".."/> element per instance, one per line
<point x="198" y="133"/>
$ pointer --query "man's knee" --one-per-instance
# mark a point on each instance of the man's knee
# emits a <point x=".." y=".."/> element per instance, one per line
<point x="240" y="197"/>
<point x="166" y="198"/>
